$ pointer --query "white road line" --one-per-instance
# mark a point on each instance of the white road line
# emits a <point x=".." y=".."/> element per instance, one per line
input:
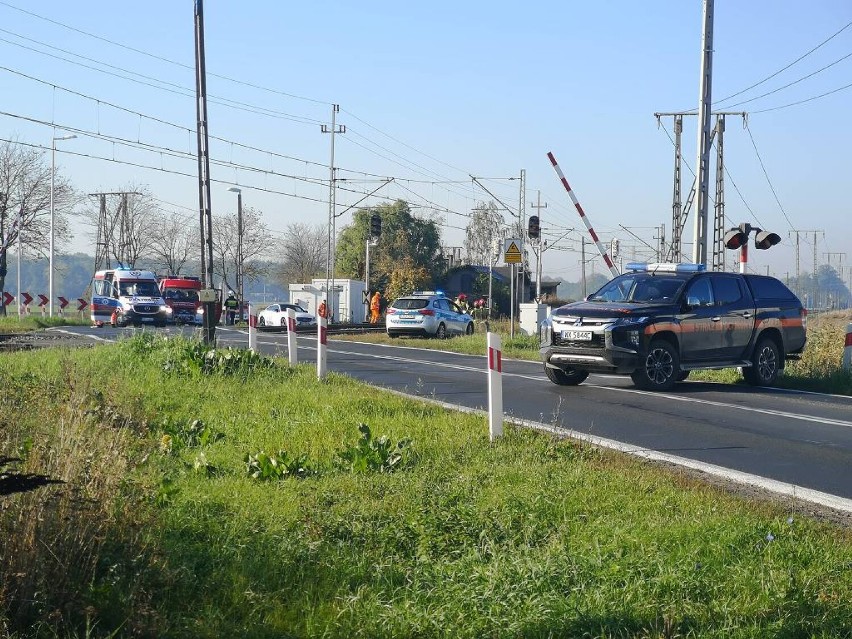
<point x="777" y="487"/>
<point x="705" y="402"/>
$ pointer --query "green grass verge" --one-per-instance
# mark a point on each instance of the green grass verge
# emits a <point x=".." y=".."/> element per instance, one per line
<point x="14" y="324"/>
<point x="161" y="529"/>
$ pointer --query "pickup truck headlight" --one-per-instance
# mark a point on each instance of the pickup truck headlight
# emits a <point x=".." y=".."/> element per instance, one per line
<point x="633" y="332"/>
<point x="545" y="332"/>
<point x="166" y="309"/>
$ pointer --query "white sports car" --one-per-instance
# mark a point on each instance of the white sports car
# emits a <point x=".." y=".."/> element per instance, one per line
<point x="275" y="316"/>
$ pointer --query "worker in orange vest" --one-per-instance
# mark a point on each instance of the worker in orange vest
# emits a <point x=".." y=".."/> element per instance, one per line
<point x="323" y="310"/>
<point x="375" y="307"/>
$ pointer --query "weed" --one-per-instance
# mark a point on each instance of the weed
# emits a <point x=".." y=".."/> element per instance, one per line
<point x="373" y="455"/>
<point x="278" y="466"/>
<point x="187" y="434"/>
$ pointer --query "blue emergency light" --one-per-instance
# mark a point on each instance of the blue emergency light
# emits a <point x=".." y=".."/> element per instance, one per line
<point x="666" y="267"/>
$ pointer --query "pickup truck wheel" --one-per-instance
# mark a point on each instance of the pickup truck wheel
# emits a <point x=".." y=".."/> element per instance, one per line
<point x="765" y="364"/>
<point x="562" y="377"/>
<point x="660" y="368"/>
<point x="682" y="375"/>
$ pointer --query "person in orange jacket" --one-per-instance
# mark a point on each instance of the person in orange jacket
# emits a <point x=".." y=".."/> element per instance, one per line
<point x="375" y="307"/>
<point x="323" y="310"/>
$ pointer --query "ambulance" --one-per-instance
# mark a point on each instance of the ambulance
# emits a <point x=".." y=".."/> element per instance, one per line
<point x="127" y="296"/>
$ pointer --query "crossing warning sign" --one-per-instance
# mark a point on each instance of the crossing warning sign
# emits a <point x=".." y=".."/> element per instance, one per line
<point x="512" y="251"/>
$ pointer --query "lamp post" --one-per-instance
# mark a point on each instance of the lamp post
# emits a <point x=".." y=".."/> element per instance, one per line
<point x="239" y="193"/>
<point x="53" y="214"/>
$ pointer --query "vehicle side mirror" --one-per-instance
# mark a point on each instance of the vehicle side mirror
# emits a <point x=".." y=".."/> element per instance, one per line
<point x="692" y="302"/>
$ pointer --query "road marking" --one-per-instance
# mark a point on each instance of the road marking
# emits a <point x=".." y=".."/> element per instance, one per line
<point x="777" y="487"/>
<point x="706" y="402"/>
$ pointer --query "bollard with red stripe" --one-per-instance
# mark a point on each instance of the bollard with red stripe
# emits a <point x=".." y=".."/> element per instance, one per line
<point x="252" y="329"/>
<point x="292" y="344"/>
<point x="847" y="349"/>
<point x="583" y="217"/>
<point x="322" y="327"/>
<point x="495" y="386"/>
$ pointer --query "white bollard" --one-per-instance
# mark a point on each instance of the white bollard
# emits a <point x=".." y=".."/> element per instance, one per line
<point x="292" y="345"/>
<point x="252" y="329"/>
<point x="847" y="349"/>
<point x="495" y="386"/>
<point x="322" y="328"/>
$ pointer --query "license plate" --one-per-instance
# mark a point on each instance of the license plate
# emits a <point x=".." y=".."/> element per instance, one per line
<point x="406" y="316"/>
<point x="577" y="336"/>
<point x="147" y="319"/>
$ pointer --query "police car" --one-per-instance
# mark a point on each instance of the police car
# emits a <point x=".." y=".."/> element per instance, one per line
<point x="427" y="313"/>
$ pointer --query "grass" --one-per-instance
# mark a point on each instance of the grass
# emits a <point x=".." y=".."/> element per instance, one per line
<point x="14" y="324"/>
<point x="818" y="370"/>
<point x="161" y="530"/>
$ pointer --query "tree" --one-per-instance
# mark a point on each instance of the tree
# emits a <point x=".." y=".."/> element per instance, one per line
<point x="483" y="231"/>
<point x="407" y="245"/>
<point x="25" y="205"/>
<point x="303" y="254"/>
<point x="175" y="242"/>
<point x="257" y="242"/>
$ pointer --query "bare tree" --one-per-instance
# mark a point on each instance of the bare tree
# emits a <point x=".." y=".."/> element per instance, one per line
<point x="303" y="253"/>
<point x="25" y="205"/>
<point x="485" y="227"/>
<point x="175" y="241"/>
<point x="257" y="243"/>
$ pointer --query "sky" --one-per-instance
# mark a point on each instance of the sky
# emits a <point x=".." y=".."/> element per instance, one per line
<point x="431" y="94"/>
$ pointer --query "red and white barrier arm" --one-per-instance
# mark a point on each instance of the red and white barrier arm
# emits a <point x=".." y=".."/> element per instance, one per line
<point x="595" y="239"/>
<point x="495" y="386"/>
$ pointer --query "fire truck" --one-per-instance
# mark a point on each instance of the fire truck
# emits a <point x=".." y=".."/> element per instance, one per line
<point x="180" y="293"/>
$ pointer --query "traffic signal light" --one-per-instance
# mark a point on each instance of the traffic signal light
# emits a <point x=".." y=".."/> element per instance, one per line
<point x="735" y="238"/>
<point x="375" y="225"/>
<point x="533" y="230"/>
<point x="766" y="239"/>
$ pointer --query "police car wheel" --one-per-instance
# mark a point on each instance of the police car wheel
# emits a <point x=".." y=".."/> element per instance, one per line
<point x="765" y="364"/>
<point x="659" y="369"/>
<point x="441" y="333"/>
<point x="469" y="329"/>
<point x="262" y="321"/>
<point x="568" y="377"/>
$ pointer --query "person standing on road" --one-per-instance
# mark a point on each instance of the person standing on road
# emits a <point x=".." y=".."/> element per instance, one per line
<point x="322" y="311"/>
<point x="231" y="305"/>
<point x="375" y="308"/>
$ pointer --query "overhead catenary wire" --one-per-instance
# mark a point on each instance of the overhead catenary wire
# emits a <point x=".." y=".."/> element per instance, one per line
<point x="769" y="181"/>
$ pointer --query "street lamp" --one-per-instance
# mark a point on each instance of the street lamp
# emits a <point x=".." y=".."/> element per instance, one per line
<point x="53" y="212"/>
<point x="239" y="193"/>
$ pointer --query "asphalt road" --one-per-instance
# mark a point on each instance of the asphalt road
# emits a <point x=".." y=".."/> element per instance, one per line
<point x="791" y="442"/>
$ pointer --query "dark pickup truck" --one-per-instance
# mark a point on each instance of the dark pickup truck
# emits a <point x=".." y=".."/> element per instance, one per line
<point x="660" y="321"/>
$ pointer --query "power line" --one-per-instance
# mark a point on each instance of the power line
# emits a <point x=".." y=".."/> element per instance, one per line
<point x="798" y="102"/>
<point x="161" y="58"/>
<point x="766" y="174"/>
<point x="789" y="84"/>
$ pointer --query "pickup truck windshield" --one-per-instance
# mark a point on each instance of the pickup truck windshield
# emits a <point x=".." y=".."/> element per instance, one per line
<point x="640" y="288"/>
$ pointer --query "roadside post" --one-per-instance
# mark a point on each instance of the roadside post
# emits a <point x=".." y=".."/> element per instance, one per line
<point x="847" y="349"/>
<point x="495" y="386"/>
<point x="292" y="346"/>
<point x="252" y="329"/>
<point x="322" y="327"/>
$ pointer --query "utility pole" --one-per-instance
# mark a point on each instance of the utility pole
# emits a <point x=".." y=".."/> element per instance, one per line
<point x="107" y="245"/>
<point x="538" y="252"/>
<point x="702" y="162"/>
<point x="522" y="216"/>
<point x="204" y="205"/>
<point x="719" y="211"/>
<point x="661" y="242"/>
<point x="798" y="270"/>
<point x="332" y="192"/>
<point x="680" y="213"/>
<point x="583" y="263"/>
